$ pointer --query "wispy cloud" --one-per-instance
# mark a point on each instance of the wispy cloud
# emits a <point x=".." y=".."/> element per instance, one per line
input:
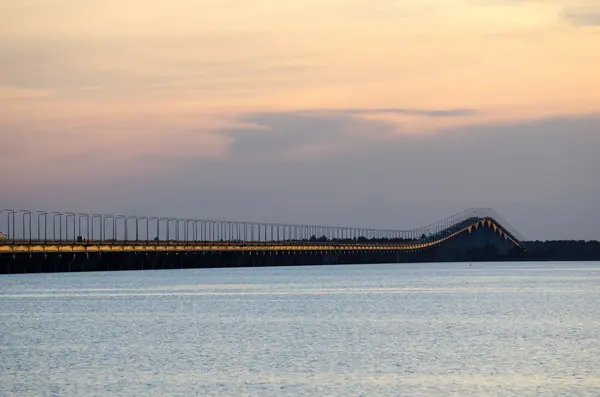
<point x="285" y="135"/>
<point x="8" y="93"/>
<point x="318" y="168"/>
<point x="582" y="16"/>
<point x="304" y="134"/>
<point x="413" y="112"/>
<point x="89" y="150"/>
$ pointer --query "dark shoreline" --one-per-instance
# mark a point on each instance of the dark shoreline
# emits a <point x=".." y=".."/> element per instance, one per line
<point x="554" y="250"/>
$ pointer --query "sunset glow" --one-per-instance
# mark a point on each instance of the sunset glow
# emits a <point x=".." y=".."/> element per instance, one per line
<point x="112" y="86"/>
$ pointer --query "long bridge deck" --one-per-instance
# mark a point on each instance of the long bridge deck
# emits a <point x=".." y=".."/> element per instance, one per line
<point x="98" y="246"/>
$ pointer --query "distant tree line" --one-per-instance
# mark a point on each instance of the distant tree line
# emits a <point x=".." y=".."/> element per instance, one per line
<point x="559" y="250"/>
<point x="552" y="250"/>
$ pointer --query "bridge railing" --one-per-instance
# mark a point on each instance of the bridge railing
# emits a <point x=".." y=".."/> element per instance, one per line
<point x="50" y="226"/>
<point x="490" y="213"/>
<point x="459" y="220"/>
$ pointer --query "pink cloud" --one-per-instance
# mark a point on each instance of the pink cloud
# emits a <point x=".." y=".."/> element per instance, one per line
<point x="85" y="151"/>
<point x="8" y="93"/>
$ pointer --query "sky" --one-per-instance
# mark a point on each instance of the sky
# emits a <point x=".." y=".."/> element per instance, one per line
<point x="366" y="113"/>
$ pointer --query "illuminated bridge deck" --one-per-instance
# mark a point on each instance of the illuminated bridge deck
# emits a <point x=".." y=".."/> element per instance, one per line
<point x="14" y="247"/>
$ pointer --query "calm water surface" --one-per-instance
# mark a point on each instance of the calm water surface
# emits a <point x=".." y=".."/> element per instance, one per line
<point x="433" y="329"/>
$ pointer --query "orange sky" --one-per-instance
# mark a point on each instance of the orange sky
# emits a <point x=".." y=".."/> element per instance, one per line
<point x="78" y="58"/>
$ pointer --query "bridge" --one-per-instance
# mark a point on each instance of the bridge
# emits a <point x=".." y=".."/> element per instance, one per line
<point x="47" y="241"/>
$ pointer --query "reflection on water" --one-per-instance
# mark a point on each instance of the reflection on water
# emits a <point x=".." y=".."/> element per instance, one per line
<point x="439" y="329"/>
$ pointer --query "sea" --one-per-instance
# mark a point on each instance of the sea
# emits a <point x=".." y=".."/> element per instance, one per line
<point x="439" y="329"/>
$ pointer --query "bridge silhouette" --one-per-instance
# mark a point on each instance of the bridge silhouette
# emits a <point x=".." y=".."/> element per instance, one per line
<point x="39" y="237"/>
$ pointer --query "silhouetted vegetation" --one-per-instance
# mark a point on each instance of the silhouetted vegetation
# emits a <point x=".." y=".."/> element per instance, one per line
<point x="562" y="250"/>
<point x="555" y="250"/>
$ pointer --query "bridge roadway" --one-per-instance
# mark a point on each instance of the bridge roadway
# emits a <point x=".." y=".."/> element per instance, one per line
<point x="14" y="247"/>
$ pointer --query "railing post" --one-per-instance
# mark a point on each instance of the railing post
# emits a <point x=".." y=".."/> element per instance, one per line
<point x="87" y="224"/>
<point x="117" y="217"/>
<point x="39" y="216"/>
<point x="72" y="215"/>
<point x="166" y="228"/>
<point x="54" y="216"/>
<point x="24" y="235"/>
<point x="92" y="234"/>
<point x="137" y="221"/>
